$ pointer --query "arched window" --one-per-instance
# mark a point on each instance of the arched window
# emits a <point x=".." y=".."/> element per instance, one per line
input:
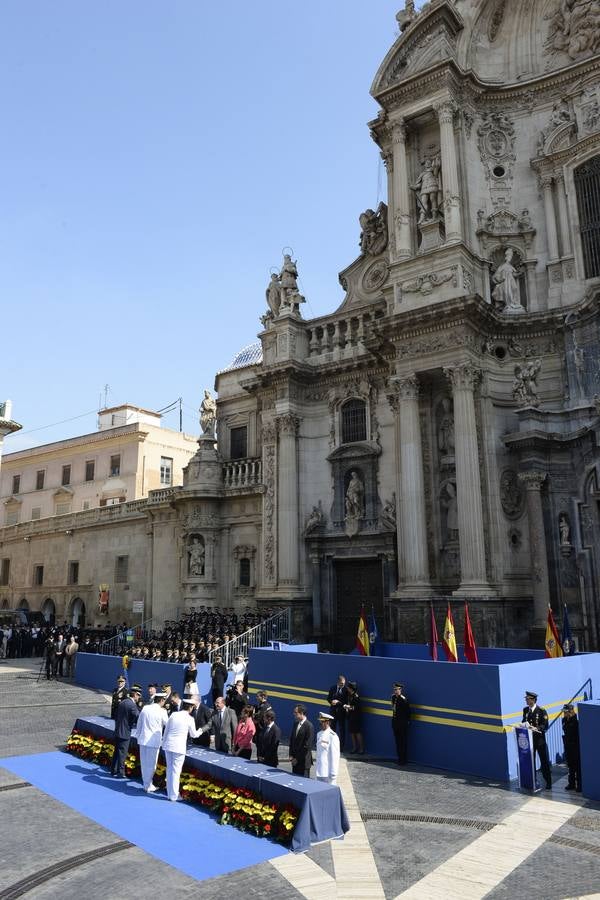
<point x="587" y="187"/>
<point x="244" y="572"/>
<point x="354" y="421"/>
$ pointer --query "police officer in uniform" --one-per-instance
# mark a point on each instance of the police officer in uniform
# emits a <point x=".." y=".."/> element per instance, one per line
<point x="400" y="721"/>
<point x="570" y="726"/>
<point x="536" y="718"/>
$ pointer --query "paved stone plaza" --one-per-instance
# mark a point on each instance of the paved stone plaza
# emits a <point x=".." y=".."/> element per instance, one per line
<point x="415" y="832"/>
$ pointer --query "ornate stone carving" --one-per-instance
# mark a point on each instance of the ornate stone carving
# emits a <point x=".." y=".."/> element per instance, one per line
<point x="268" y="512"/>
<point x="502" y="226"/>
<point x="496" y="141"/>
<point x="560" y="130"/>
<point x="496" y="18"/>
<point x="288" y="424"/>
<point x="282" y="291"/>
<point x="437" y="342"/>
<point x="315" y="519"/>
<point x="445" y="429"/>
<point x="511" y="494"/>
<point x="506" y="291"/>
<point x="524" y="389"/>
<point x="374" y="231"/>
<point x="269" y="432"/>
<point x="407" y="388"/>
<point x="532" y="481"/>
<point x="428" y="188"/>
<point x="196" y="555"/>
<point x="375" y="276"/>
<point x="564" y="529"/>
<point x="590" y="113"/>
<point x="199" y="519"/>
<point x="464" y="377"/>
<point x="208" y="414"/>
<point x="449" y="507"/>
<point x="429" y="281"/>
<point x="388" y="513"/>
<point x="574" y="28"/>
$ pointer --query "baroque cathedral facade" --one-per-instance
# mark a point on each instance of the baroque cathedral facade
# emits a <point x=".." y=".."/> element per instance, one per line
<point x="436" y="436"/>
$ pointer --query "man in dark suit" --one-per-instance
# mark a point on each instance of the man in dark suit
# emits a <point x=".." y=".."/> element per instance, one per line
<point x="218" y="677"/>
<point x="338" y="698"/>
<point x="536" y="718"/>
<point x="222" y="724"/>
<point x="119" y="694"/>
<point x="570" y="726"/>
<point x="202" y="716"/>
<point x="59" y="655"/>
<point x="400" y="721"/>
<point x="302" y="739"/>
<point x="126" y="718"/>
<point x="267" y="740"/>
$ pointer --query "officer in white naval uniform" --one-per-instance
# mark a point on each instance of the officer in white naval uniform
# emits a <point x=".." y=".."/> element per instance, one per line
<point x="148" y="732"/>
<point x="179" y="727"/>
<point x="328" y="751"/>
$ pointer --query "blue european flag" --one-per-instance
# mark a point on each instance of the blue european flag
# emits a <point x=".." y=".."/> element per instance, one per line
<point x="568" y="644"/>
<point x="373" y="633"/>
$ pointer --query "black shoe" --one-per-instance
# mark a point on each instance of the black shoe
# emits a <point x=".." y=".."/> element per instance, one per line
<point x="577" y="790"/>
<point x="570" y="787"/>
<point x="549" y="786"/>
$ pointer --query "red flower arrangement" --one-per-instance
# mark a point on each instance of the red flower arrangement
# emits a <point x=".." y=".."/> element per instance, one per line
<point x="240" y="807"/>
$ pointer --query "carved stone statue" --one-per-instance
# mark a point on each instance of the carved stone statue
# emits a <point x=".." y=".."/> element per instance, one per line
<point x="445" y="433"/>
<point x="449" y="502"/>
<point x="208" y="414"/>
<point x="291" y="298"/>
<point x="575" y="28"/>
<point x="565" y="530"/>
<point x="525" y="383"/>
<point x="388" y="513"/>
<point x="196" y="555"/>
<point x="591" y="117"/>
<point x="315" y="519"/>
<point x="355" y="493"/>
<point x="429" y="189"/>
<point x="374" y="230"/>
<point x="273" y="294"/>
<point x="511" y="494"/>
<point x="506" y="291"/>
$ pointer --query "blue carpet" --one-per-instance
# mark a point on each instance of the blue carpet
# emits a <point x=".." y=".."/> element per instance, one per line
<point x="180" y="834"/>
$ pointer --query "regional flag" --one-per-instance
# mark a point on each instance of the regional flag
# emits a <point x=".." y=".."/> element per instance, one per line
<point x="373" y="633"/>
<point x="433" y="637"/>
<point x="552" y="642"/>
<point x="568" y="644"/>
<point x="362" y="637"/>
<point x="449" y="638"/>
<point x="469" y="641"/>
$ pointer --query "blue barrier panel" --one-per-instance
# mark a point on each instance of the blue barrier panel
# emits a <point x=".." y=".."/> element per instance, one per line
<point x="463" y="715"/>
<point x="101" y="672"/>
<point x="495" y="656"/>
<point x="589" y="741"/>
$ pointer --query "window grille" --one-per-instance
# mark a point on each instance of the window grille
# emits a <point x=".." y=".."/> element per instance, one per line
<point x="587" y="187"/>
<point x="354" y="421"/>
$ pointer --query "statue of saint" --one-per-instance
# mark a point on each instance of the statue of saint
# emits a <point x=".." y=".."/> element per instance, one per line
<point x="196" y="557"/>
<point x="355" y="493"/>
<point x="446" y="429"/>
<point x="273" y="293"/>
<point x="506" y="291"/>
<point x="429" y="188"/>
<point x="291" y="298"/>
<point x="525" y="390"/>
<point x="374" y="232"/>
<point x="388" y="513"/>
<point x="449" y="502"/>
<point x="565" y="531"/>
<point x="315" y="519"/>
<point x="208" y="414"/>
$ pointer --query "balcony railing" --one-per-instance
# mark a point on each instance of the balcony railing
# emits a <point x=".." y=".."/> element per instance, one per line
<point x="242" y="473"/>
<point x="340" y="338"/>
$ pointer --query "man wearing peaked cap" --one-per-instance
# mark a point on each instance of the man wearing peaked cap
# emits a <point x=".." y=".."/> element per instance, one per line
<point x="153" y="718"/>
<point x="119" y="693"/>
<point x="177" y="730"/>
<point x="400" y="721"/>
<point x="126" y="719"/>
<point x="328" y="750"/>
<point x="570" y="726"/>
<point x="536" y="720"/>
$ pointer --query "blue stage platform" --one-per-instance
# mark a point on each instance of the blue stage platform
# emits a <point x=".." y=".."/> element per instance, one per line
<point x="463" y="714"/>
<point x="179" y="834"/>
<point x="100" y="672"/>
<point x="589" y="740"/>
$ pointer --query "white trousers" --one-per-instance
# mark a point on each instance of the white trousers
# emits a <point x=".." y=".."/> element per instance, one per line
<point x="174" y="766"/>
<point x="328" y="779"/>
<point x="148" y="760"/>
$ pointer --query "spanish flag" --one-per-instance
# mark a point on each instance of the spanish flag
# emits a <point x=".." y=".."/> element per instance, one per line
<point x="363" y="644"/>
<point x="552" y="642"/>
<point x="449" y="638"/>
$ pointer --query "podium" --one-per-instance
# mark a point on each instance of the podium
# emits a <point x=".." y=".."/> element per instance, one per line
<point x="526" y="759"/>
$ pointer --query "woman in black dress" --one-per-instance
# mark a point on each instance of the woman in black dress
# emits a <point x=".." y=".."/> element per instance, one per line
<point x="353" y="718"/>
<point x="190" y="676"/>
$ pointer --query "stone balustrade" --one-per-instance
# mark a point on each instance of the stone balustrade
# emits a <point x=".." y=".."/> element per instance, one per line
<point x="242" y="473"/>
<point x="71" y="521"/>
<point x="340" y="338"/>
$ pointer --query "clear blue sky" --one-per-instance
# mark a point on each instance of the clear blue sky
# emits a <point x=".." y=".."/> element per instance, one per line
<point x="156" y="157"/>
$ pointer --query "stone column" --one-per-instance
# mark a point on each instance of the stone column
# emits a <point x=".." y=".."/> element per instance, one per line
<point x="412" y="526"/>
<point x="315" y="564"/>
<point x="546" y="183"/>
<point x="402" y="208"/>
<point x="452" y="215"/>
<point x="473" y="576"/>
<point x="533" y="482"/>
<point x="563" y="215"/>
<point x="288" y="531"/>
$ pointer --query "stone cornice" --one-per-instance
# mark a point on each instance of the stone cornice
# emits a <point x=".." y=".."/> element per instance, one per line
<point x="84" y="440"/>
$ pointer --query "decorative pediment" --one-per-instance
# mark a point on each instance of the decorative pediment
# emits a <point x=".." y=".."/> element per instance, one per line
<point x="356" y="452"/>
<point x="504" y="224"/>
<point x="429" y="38"/>
<point x="63" y="493"/>
<point x="560" y="138"/>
